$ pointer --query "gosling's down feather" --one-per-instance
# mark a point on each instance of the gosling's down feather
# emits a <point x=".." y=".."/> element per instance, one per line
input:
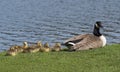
<point x="56" y="47"/>
<point x="46" y="48"/>
<point x="11" y="52"/>
<point x="87" y="41"/>
<point x="33" y="48"/>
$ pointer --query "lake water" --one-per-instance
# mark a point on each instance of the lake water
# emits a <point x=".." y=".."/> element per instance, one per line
<point x="56" y="20"/>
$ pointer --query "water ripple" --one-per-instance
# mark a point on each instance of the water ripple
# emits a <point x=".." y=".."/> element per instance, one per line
<point x="55" y="21"/>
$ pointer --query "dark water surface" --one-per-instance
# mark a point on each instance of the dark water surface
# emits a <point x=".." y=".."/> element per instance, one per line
<point x="56" y="20"/>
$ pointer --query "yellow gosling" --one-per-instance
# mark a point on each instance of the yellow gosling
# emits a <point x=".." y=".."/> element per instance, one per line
<point x="25" y="45"/>
<point x="11" y="52"/>
<point x="39" y="45"/>
<point x="16" y="49"/>
<point x="56" y="47"/>
<point x="33" y="48"/>
<point x="21" y="48"/>
<point x="46" y="48"/>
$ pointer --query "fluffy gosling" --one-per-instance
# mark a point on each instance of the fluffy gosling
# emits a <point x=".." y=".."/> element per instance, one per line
<point x="11" y="52"/>
<point x="33" y="48"/>
<point x="46" y="48"/>
<point x="56" y="47"/>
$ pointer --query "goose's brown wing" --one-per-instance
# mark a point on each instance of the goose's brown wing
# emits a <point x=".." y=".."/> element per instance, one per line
<point x="75" y="38"/>
<point x="89" y="42"/>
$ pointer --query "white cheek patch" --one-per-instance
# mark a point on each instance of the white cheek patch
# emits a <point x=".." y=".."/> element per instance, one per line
<point x="103" y="40"/>
<point x="71" y="43"/>
<point x="96" y="25"/>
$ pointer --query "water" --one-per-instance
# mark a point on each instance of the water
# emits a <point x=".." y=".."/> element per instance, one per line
<point x="56" y="20"/>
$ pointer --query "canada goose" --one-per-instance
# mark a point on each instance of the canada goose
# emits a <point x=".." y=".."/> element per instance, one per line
<point x="56" y="47"/>
<point x="33" y="48"/>
<point x="46" y="48"/>
<point x="87" y="41"/>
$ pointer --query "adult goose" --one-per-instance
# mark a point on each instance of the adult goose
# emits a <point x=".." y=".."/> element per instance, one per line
<point x="87" y="41"/>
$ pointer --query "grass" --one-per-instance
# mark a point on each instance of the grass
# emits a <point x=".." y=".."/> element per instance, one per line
<point x="105" y="59"/>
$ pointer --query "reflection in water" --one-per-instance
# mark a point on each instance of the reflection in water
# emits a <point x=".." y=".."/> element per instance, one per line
<point x="55" y="21"/>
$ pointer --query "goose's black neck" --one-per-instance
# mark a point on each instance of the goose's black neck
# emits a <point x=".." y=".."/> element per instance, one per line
<point x="96" y="31"/>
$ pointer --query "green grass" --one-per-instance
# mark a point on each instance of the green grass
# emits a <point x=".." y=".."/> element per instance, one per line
<point x="105" y="59"/>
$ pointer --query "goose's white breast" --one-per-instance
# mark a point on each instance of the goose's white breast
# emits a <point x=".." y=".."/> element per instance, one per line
<point x="103" y="40"/>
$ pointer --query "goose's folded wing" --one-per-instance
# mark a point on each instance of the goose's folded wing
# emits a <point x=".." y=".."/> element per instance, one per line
<point x="76" y="39"/>
<point x="89" y="42"/>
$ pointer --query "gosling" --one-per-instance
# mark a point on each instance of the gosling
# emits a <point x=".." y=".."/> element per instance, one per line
<point x="46" y="48"/>
<point x="56" y="47"/>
